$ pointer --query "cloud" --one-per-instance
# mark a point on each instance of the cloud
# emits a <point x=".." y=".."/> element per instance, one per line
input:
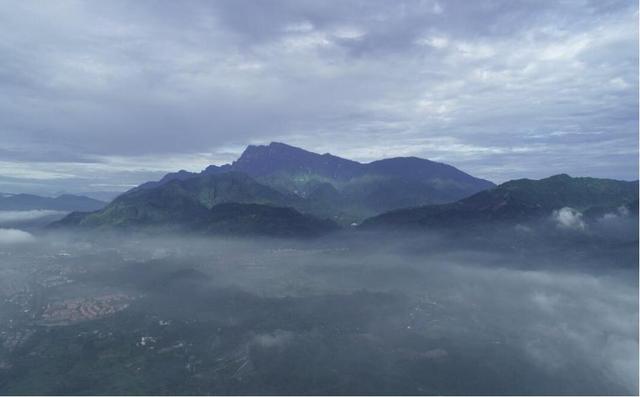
<point x="359" y="300"/>
<point x="84" y="82"/>
<point x="568" y="218"/>
<point x="15" y="236"/>
<point x="18" y="216"/>
<point x="617" y="224"/>
<point x="621" y="212"/>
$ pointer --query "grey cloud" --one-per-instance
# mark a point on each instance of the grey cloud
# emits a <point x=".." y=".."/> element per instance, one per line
<point x="84" y="80"/>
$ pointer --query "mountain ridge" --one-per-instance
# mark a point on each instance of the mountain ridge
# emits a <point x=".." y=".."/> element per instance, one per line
<point x="228" y="202"/>
<point x="358" y="190"/>
<point x="514" y="201"/>
<point x="63" y="202"/>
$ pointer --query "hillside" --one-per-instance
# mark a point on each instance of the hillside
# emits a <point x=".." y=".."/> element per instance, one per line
<point x="345" y="190"/>
<point x="229" y="202"/>
<point x="514" y="201"/>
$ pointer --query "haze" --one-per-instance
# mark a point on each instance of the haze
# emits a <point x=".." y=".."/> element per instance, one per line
<point x="312" y="197"/>
<point x="367" y="314"/>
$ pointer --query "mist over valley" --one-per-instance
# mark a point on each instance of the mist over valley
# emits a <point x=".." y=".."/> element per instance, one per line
<point x="312" y="197"/>
<point x="210" y="284"/>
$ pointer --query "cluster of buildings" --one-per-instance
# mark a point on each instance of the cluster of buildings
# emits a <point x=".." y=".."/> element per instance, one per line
<point x="81" y="309"/>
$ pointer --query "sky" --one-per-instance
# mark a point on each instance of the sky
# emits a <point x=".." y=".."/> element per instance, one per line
<point x="104" y="95"/>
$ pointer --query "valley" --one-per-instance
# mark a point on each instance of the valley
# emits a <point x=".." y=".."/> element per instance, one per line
<point x="349" y="313"/>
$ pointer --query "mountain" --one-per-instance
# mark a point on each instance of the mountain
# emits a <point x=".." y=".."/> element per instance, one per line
<point x="342" y="189"/>
<point x="181" y="200"/>
<point x="515" y="201"/>
<point x="228" y="202"/>
<point x="278" y="158"/>
<point x="65" y="202"/>
<point x="226" y="219"/>
<point x="180" y="175"/>
<point x="256" y="219"/>
<point x="285" y="177"/>
<point x="301" y="169"/>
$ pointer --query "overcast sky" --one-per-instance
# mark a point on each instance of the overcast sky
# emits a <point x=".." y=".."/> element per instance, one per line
<point x="102" y="95"/>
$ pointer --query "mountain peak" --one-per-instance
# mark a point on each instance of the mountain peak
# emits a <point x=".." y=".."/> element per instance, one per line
<point x="273" y="148"/>
<point x="282" y="145"/>
<point x="372" y="187"/>
<point x="560" y="177"/>
<point x="275" y="157"/>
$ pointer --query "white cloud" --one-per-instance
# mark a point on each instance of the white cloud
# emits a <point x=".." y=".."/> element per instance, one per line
<point x="565" y="50"/>
<point x="19" y="216"/>
<point x="42" y="171"/>
<point x="569" y="218"/>
<point x="15" y="236"/>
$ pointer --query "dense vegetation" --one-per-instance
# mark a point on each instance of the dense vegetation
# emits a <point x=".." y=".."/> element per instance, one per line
<point x="517" y="201"/>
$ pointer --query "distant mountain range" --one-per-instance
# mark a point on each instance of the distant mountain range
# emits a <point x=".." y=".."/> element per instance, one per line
<point x="516" y="201"/>
<point x="311" y="186"/>
<point x="344" y="190"/>
<point x="65" y="202"/>
<point x="281" y="190"/>
<point x="229" y="202"/>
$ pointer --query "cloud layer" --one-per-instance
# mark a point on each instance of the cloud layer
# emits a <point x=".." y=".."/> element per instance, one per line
<point x="101" y="96"/>
<point x="18" y="216"/>
<point x="14" y="236"/>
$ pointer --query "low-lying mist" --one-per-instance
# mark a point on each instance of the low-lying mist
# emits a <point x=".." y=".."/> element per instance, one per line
<point x="30" y="219"/>
<point x="351" y="313"/>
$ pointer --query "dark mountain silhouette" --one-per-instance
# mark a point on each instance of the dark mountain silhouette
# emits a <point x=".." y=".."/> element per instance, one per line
<point x="515" y="201"/>
<point x="281" y="158"/>
<point x="343" y="189"/>
<point x="229" y="202"/>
